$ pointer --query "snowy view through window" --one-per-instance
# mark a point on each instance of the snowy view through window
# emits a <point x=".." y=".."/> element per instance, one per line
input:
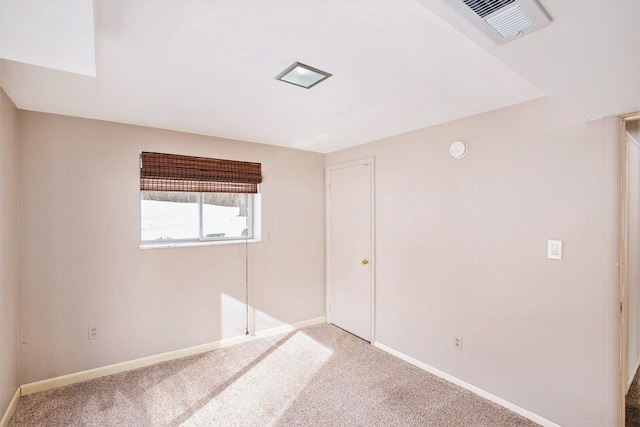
<point x="175" y="216"/>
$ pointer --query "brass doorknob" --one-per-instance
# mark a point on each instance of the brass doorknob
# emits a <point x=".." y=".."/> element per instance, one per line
<point x="365" y="261"/>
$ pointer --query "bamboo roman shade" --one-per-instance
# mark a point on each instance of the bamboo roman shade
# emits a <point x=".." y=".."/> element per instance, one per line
<point x="173" y="172"/>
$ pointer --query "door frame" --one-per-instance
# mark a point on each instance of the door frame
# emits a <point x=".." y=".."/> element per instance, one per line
<point x="624" y="259"/>
<point x="372" y="263"/>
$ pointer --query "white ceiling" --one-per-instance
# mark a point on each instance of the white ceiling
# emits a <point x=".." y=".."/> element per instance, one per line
<point x="50" y="34"/>
<point x="208" y="67"/>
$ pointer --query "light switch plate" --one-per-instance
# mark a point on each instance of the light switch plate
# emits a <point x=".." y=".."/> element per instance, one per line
<point x="554" y="249"/>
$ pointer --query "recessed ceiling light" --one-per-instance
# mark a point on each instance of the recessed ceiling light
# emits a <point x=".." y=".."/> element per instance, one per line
<point x="302" y="75"/>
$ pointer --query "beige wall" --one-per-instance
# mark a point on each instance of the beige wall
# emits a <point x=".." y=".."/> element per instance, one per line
<point x="8" y="250"/>
<point x="461" y="251"/>
<point x="80" y="261"/>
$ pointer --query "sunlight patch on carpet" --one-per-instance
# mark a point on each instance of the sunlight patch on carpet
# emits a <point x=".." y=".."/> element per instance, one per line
<point x="265" y="392"/>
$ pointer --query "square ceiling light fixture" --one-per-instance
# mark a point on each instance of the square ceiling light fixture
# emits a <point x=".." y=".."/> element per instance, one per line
<point x="302" y="75"/>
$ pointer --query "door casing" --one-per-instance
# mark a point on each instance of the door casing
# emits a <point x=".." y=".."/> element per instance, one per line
<point x="624" y="260"/>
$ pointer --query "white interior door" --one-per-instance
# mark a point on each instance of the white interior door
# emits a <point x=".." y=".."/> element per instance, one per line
<point x="350" y="247"/>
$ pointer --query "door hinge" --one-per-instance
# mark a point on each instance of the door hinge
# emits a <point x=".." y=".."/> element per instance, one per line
<point x="620" y="308"/>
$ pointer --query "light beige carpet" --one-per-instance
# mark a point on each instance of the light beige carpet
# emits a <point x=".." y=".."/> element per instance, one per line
<point x="317" y="376"/>
<point x="632" y="402"/>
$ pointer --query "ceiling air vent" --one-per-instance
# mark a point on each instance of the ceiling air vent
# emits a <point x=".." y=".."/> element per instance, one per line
<point x="502" y="20"/>
<point x="486" y="7"/>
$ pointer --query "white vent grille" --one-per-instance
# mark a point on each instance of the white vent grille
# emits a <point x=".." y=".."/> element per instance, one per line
<point x="511" y="22"/>
<point x="486" y="7"/>
<point x="502" y="20"/>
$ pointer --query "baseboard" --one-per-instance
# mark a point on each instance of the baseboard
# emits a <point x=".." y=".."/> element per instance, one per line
<point x="631" y="375"/>
<point x="4" y="422"/>
<point x="77" y="377"/>
<point x="480" y="392"/>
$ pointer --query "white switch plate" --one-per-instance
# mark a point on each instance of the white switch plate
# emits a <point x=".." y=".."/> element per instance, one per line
<point x="554" y="249"/>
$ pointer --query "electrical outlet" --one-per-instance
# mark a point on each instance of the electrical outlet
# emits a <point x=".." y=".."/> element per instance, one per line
<point x="93" y="332"/>
<point x="457" y="343"/>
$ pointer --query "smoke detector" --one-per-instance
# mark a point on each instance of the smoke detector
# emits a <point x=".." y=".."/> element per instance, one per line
<point x="502" y="20"/>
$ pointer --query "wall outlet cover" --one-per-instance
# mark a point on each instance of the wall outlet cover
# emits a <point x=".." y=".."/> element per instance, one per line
<point x="93" y="332"/>
<point x="457" y="343"/>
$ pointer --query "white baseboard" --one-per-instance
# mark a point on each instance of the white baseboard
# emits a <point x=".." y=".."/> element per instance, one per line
<point x="480" y="392"/>
<point x="4" y="422"/>
<point x="632" y="375"/>
<point x="77" y="377"/>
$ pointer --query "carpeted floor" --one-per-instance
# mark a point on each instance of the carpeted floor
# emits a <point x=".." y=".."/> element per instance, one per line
<point x="632" y="403"/>
<point x="316" y="376"/>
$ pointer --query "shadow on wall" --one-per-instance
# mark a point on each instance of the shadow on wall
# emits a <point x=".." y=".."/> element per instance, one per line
<point x="237" y="317"/>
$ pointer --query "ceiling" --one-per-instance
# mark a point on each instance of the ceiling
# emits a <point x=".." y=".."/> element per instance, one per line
<point x="208" y="67"/>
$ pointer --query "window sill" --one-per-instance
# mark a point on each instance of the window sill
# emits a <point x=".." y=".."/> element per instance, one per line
<point x="192" y="244"/>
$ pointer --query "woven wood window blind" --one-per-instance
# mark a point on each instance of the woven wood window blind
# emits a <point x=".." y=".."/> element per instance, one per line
<point x="173" y="172"/>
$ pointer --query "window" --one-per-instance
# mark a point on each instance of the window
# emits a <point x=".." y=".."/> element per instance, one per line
<point x="187" y="199"/>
